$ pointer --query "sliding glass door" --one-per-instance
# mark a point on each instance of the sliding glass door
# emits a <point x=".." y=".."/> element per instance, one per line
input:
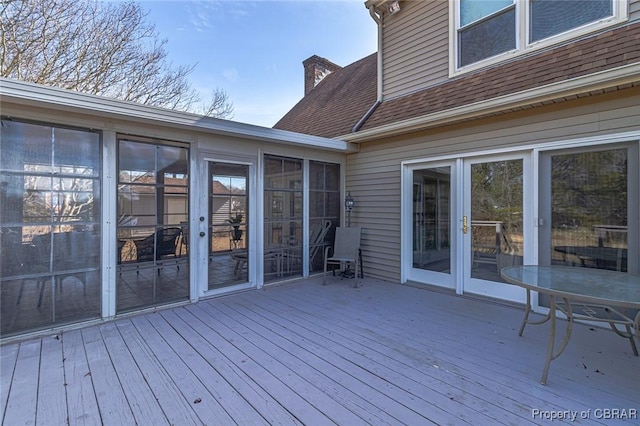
<point x="152" y="230"/>
<point x="587" y="218"/>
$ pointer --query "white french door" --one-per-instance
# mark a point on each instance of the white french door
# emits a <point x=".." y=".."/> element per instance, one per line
<point x="464" y="220"/>
<point x="431" y="221"/>
<point x="494" y="229"/>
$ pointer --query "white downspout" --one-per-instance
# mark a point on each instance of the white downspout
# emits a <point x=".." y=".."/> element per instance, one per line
<point x="378" y="19"/>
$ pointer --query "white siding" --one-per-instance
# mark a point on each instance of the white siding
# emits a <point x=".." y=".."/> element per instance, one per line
<point x="373" y="174"/>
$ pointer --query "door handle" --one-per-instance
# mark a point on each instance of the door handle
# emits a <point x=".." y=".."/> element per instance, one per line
<point x="465" y="224"/>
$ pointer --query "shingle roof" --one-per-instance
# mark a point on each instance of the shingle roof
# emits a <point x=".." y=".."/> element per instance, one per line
<point x="337" y="103"/>
<point x="335" y="106"/>
<point x="606" y="50"/>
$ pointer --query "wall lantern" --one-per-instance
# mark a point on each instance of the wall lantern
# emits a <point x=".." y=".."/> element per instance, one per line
<point x="349" y="202"/>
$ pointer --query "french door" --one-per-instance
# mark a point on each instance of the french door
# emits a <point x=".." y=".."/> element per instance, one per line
<point x="431" y="237"/>
<point x="493" y="228"/>
<point x="466" y="221"/>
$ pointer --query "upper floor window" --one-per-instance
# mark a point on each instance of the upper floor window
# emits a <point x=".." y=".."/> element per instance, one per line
<point x="488" y="30"/>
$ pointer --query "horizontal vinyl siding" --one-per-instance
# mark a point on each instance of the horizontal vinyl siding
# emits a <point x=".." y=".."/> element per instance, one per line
<point x="634" y="10"/>
<point x="373" y="174"/>
<point x="415" y="58"/>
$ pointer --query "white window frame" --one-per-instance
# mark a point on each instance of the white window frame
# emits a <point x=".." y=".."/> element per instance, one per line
<point x="523" y="46"/>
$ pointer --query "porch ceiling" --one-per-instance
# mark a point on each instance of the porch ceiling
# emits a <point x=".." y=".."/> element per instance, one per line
<point x="312" y="354"/>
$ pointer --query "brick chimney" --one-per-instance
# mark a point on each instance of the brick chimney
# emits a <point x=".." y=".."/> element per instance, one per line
<point x="315" y="69"/>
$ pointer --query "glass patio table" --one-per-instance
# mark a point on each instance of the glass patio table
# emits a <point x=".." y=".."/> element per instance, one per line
<point x="600" y="295"/>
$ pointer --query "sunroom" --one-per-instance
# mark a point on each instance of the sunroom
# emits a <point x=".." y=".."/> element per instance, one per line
<point x="109" y="207"/>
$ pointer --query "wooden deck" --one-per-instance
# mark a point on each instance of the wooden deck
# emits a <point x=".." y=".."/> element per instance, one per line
<point x="302" y="353"/>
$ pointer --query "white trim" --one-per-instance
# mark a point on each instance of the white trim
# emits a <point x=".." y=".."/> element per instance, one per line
<point x="60" y="99"/>
<point x="109" y="248"/>
<point x="205" y="159"/>
<point x="618" y="76"/>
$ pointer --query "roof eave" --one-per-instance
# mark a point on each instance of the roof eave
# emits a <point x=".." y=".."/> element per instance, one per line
<point x="597" y="81"/>
<point x="25" y="93"/>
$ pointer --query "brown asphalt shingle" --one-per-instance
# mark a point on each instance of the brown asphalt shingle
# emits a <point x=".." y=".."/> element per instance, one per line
<point x="337" y="103"/>
<point x="610" y="49"/>
<point x="334" y="107"/>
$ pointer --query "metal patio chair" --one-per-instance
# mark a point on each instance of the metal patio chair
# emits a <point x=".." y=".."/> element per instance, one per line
<point x="346" y="250"/>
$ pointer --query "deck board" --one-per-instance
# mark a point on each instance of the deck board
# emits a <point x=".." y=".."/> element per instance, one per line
<point x="303" y="353"/>
<point x="51" y="389"/>
<point x="82" y="404"/>
<point x="112" y="401"/>
<point x="8" y="357"/>
<point x="23" y="396"/>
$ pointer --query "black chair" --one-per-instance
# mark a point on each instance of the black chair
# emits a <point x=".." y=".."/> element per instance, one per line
<point x="158" y="245"/>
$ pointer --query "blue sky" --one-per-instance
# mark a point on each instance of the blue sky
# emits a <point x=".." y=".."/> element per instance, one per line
<point x="254" y="49"/>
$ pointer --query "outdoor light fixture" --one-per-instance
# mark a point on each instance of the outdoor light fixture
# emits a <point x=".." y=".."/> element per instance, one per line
<point x="393" y="7"/>
<point x="349" y="202"/>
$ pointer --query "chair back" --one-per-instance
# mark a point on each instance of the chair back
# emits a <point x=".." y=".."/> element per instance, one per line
<point x="347" y="242"/>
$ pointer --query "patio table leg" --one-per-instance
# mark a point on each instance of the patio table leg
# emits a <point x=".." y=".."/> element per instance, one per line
<point x="551" y="354"/>
<point x="527" y="311"/>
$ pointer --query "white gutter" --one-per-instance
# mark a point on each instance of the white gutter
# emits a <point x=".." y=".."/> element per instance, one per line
<point x="32" y="94"/>
<point x="377" y="17"/>
<point x="604" y="79"/>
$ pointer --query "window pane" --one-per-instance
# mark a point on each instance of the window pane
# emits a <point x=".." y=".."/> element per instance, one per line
<point x="136" y="162"/>
<point x="26" y="147"/>
<point x="50" y="238"/>
<point x="153" y="213"/>
<point x="589" y="209"/>
<point x="551" y="17"/>
<point x="431" y="218"/>
<point x="488" y="38"/>
<point x="472" y="10"/>
<point x="497" y="238"/>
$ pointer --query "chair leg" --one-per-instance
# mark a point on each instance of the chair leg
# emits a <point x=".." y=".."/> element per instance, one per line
<point x="355" y="273"/>
<point x="324" y="274"/>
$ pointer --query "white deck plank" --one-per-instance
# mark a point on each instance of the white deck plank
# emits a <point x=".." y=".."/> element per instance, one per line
<point x="460" y="354"/>
<point x="8" y="357"/>
<point x="501" y="344"/>
<point x="270" y="410"/>
<point x="167" y="393"/>
<point x="334" y="375"/>
<point x="204" y="368"/>
<point x="163" y="340"/>
<point x="305" y="353"/>
<point x="112" y="401"/>
<point x="514" y="372"/>
<point x="142" y="400"/>
<point x="434" y="403"/>
<point x="23" y="396"/>
<point x="52" y="402"/>
<point x="294" y="379"/>
<point x="271" y="383"/>
<point x="81" y="398"/>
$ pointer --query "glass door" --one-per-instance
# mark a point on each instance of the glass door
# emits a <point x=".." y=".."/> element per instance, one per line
<point x="492" y="224"/>
<point x="432" y="239"/>
<point x="588" y="216"/>
<point x="228" y="203"/>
